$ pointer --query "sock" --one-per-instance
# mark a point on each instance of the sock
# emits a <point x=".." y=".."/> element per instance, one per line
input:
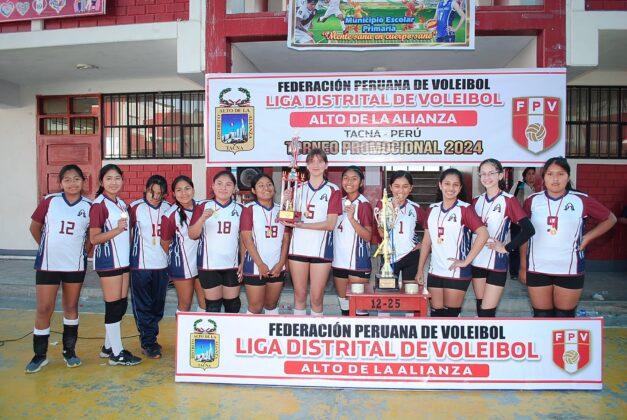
<point x="300" y="311"/>
<point x="115" y="337"/>
<point x="343" y="25"/>
<point x="250" y="313"/>
<point x="343" y="303"/>
<point x="274" y="311"/>
<point x="479" y="305"/>
<point x="70" y="334"/>
<point x="40" y="341"/>
<point x="199" y="308"/>
<point x="107" y="342"/>
<point x="314" y="313"/>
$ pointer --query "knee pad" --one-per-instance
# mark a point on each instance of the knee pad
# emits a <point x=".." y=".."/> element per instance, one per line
<point x="213" y="305"/>
<point x="486" y="313"/>
<point x="479" y="305"/>
<point x="565" y="313"/>
<point x="232" y="306"/>
<point x="543" y="313"/>
<point x="438" y="313"/>
<point x="114" y="311"/>
<point x="453" y="312"/>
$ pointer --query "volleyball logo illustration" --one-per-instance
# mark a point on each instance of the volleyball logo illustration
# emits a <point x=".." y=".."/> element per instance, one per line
<point x="536" y="122"/>
<point x="571" y="349"/>
<point x="535" y="132"/>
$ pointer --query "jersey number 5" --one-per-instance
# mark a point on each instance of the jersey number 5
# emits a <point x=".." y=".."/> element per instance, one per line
<point x="67" y="228"/>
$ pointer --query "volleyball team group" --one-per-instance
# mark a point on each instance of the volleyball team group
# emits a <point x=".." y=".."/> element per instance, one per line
<point x="212" y="247"/>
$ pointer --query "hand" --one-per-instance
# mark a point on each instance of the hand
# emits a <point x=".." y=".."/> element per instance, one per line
<point x="122" y="224"/>
<point x="522" y="276"/>
<point x="207" y="214"/>
<point x="350" y="211"/>
<point x="420" y="279"/>
<point x="584" y="243"/>
<point x="275" y="271"/>
<point x="457" y="264"/>
<point x="497" y="246"/>
<point x="417" y="246"/>
<point x="264" y="271"/>
<point x="240" y="273"/>
<point x="396" y="202"/>
<point x="451" y="29"/>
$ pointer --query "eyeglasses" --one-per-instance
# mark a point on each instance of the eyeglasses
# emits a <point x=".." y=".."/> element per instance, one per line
<point x="488" y="174"/>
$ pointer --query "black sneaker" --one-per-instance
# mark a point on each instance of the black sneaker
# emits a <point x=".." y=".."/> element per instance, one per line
<point x="345" y="312"/>
<point x="152" y="351"/>
<point x="36" y="364"/>
<point x="125" y="358"/>
<point x="105" y="353"/>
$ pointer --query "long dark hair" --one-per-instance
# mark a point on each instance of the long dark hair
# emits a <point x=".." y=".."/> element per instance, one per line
<point x="452" y="171"/>
<point x="499" y="169"/>
<point x="178" y="179"/>
<point x="402" y="174"/>
<point x="71" y="167"/>
<point x="359" y="173"/>
<point x="159" y="181"/>
<point x="562" y="163"/>
<point x="103" y="172"/>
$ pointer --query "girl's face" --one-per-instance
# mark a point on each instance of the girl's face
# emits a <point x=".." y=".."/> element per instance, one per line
<point x="154" y="195"/>
<point x="184" y="193"/>
<point x="264" y="189"/>
<point x="316" y="167"/>
<point x="450" y="186"/>
<point x="401" y="188"/>
<point x="351" y="182"/>
<point x="112" y="182"/>
<point x="489" y="175"/>
<point x="223" y="187"/>
<point x="555" y="179"/>
<point x="72" y="183"/>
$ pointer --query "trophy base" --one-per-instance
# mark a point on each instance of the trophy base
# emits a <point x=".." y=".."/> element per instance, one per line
<point x="290" y="216"/>
<point x="386" y="283"/>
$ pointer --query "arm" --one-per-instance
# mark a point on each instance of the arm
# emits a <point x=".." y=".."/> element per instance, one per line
<point x="522" y="272"/>
<point x="462" y="16"/>
<point x="328" y="224"/>
<point x="249" y="245"/>
<point x="97" y="236"/>
<point x="165" y="245"/>
<point x="285" y="244"/>
<point x="35" y="231"/>
<point x="526" y="231"/>
<point x="598" y="230"/>
<point x="482" y="238"/>
<point x="195" y="229"/>
<point x="364" y="232"/>
<point x="424" y="253"/>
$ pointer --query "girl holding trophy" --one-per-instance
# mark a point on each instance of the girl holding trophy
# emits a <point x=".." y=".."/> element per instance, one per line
<point x="351" y="236"/>
<point x="311" y="249"/>
<point x="108" y="231"/>
<point x="216" y="223"/>
<point x="497" y="210"/>
<point x="448" y="236"/>
<point x="266" y="242"/>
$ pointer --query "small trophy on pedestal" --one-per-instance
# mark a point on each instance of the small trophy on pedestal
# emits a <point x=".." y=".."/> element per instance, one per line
<point x="386" y="217"/>
<point x="291" y="186"/>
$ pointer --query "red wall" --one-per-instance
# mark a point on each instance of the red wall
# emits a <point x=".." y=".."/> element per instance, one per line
<point x="608" y="184"/>
<point x="135" y="177"/>
<point x="606" y="5"/>
<point x="119" y="12"/>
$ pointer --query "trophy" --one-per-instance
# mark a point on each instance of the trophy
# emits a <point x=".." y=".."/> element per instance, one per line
<point x="291" y="186"/>
<point x="386" y="217"/>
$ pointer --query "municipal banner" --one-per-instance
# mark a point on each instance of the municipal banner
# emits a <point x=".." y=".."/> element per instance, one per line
<point x="381" y="24"/>
<point x="438" y="117"/>
<point x="14" y="10"/>
<point x="400" y="353"/>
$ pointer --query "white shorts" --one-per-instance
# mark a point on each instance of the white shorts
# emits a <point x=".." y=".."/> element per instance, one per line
<point x="301" y="37"/>
<point x="332" y="10"/>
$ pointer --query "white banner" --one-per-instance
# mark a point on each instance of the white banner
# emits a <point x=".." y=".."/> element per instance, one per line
<point x="445" y="117"/>
<point x="418" y="353"/>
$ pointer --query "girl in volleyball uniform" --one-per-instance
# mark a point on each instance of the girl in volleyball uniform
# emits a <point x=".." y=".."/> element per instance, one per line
<point x="149" y="263"/>
<point x="109" y="232"/>
<point x="351" y="237"/>
<point x="181" y="249"/>
<point x="405" y="247"/>
<point x="497" y="210"/>
<point x="216" y="223"/>
<point x="266" y="241"/>
<point x="448" y="235"/>
<point x="554" y="270"/>
<point x="59" y="225"/>
<point x="311" y="248"/>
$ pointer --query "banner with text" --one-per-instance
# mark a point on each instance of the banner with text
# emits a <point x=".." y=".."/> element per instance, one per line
<point x="373" y="25"/>
<point x="14" y="10"/>
<point x="444" y="117"/>
<point x="418" y="353"/>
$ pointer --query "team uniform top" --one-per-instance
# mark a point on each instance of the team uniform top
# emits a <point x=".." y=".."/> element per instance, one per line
<point x="403" y="237"/>
<point x="63" y="234"/>
<point x="555" y="251"/>
<point x="305" y="15"/>
<point x="444" y="15"/>
<point x="350" y="251"/>
<point x="113" y="254"/>
<point x="146" y="251"/>
<point x="218" y="246"/>
<point x="454" y="226"/>
<point x="183" y="251"/>
<point x="497" y="214"/>
<point x="316" y="205"/>
<point x="267" y="235"/>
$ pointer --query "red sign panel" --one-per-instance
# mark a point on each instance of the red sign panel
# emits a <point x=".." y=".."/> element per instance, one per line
<point x="14" y="10"/>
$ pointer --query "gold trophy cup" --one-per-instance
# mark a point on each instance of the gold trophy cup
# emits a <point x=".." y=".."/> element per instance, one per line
<point x="386" y="217"/>
<point x="291" y="187"/>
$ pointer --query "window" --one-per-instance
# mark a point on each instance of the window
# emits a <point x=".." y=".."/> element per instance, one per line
<point x="596" y="123"/>
<point x="68" y="115"/>
<point x="153" y="125"/>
